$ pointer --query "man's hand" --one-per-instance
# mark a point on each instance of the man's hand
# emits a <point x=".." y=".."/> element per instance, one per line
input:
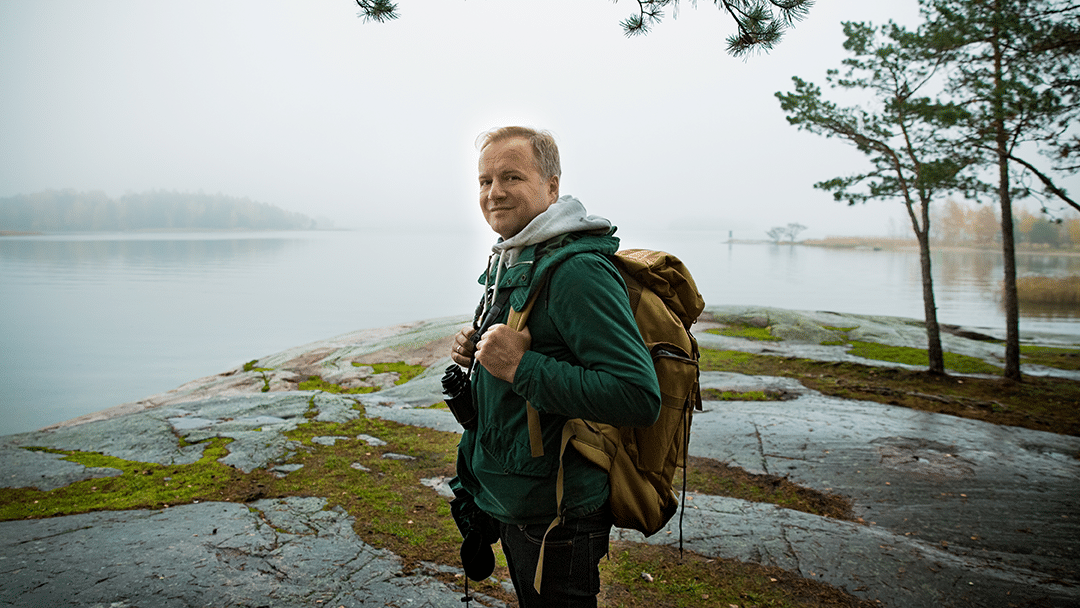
<point x="462" y="352"/>
<point x="500" y="350"/>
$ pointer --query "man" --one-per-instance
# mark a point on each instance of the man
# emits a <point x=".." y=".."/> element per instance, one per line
<point x="580" y="356"/>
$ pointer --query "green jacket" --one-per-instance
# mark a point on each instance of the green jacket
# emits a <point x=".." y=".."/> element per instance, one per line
<point x="587" y="360"/>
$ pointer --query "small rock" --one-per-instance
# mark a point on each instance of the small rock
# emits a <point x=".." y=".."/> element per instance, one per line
<point x="282" y="470"/>
<point x="441" y="486"/>
<point x="372" y="441"/>
<point x="392" y="456"/>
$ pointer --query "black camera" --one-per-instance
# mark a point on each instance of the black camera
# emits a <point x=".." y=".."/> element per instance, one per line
<point x="457" y="391"/>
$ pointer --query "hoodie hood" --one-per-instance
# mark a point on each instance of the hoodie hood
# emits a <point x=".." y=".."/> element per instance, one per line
<point x="563" y="216"/>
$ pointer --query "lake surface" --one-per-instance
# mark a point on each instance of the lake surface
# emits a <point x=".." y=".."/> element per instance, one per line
<point x="90" y="321"/>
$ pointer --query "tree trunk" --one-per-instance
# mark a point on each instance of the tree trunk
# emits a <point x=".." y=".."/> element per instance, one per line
<point x="1012" y="306"/>
<point x="933" y="330"/>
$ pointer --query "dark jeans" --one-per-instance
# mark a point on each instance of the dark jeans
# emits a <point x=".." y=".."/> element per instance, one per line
<point x="571" y="577"/>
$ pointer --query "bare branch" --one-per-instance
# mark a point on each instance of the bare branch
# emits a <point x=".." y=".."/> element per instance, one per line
<point x="1047" y="183"/>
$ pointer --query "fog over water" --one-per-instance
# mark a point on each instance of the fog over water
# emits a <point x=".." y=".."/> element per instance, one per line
<point x="95" y="320"/>
<point x="307" y="107"/>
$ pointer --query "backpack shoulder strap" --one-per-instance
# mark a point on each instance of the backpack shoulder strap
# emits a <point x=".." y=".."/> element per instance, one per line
<point x="567" y="435"/>
<point x="516" y="321"/>
<point x="518" y="318"/>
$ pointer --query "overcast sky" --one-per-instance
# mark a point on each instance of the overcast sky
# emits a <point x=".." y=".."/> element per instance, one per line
<point x="305" y="106"/>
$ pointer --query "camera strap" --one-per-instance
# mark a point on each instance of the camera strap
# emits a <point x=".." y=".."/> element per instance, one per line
<point x="490" y="319"/>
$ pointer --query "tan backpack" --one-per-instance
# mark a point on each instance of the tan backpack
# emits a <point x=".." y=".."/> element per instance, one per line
<point x="641" y="462"/>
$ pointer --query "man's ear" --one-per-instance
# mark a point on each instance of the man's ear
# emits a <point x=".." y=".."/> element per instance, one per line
<point x="552" y="189"/>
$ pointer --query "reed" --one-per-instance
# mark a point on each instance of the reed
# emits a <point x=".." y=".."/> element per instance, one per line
<point x="1048" y="290"/>
<point x="862" y="242"/>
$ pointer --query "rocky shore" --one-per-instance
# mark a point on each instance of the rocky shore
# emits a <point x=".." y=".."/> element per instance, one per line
<point x="954" y="512"/>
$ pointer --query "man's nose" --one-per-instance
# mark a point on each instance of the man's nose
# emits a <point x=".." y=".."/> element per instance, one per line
<point x="496" y="191"/>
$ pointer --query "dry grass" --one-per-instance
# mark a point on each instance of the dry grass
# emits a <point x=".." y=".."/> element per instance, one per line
<point x="852" y="242"/>
<point x="1048" y="290"/>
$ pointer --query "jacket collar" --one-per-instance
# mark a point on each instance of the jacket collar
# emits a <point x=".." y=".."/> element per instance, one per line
<point x="537" y="261"/>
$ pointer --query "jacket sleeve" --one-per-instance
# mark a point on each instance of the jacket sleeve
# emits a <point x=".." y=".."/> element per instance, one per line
<point x="599" y="368"/>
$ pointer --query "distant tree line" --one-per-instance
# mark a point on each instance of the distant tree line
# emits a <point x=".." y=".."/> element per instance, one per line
<point x="980" y="225"/>
<point x="70" y="210"/>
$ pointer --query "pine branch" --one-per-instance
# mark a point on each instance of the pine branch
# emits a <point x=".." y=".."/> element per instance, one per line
<point x="759" y="27"/>
<point x="379" y="11"/>
<point x="649" y="13"/>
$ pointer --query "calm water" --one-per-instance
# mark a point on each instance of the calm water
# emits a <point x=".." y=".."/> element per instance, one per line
<point x="92" y="321"/>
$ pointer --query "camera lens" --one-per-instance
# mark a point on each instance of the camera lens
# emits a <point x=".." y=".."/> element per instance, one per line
<point x="458" y="396"/>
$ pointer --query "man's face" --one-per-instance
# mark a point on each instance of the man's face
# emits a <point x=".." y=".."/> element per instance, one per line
<point x="512" y="191"/>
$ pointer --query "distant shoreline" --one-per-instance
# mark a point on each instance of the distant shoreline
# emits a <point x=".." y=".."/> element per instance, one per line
<point x="856" y="242"/>
<point x="4" y="233"/>
<point x="862" y="243"/>
<point x="72" y="210"/>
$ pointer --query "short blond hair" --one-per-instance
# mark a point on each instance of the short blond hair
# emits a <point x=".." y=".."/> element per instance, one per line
<point x="545" y="150"/>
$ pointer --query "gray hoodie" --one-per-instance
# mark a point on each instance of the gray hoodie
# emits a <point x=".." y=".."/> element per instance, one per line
<point x="563" y="216"/>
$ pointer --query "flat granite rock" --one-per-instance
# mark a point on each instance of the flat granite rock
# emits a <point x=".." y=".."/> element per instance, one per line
<point x="954" y="512"/>
<point x="255" y="423"/>
<point x="288" y="552"/>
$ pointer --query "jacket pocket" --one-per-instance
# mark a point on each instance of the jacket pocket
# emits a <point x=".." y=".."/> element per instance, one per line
<point x="512" y="452"/>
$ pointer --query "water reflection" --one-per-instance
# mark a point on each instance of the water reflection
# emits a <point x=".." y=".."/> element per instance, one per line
<point x="156" y="251"/>
<point x="863" y="281"/>
<point x="978" y="274"/>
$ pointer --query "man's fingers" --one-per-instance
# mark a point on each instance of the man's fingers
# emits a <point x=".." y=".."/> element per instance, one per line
<point x="462" y="350"/>
<point x="500" y="350"/>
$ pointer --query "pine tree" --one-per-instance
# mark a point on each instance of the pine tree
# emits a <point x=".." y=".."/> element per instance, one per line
<point x="904" y="132"/>
<point x="1014" y="69"/>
